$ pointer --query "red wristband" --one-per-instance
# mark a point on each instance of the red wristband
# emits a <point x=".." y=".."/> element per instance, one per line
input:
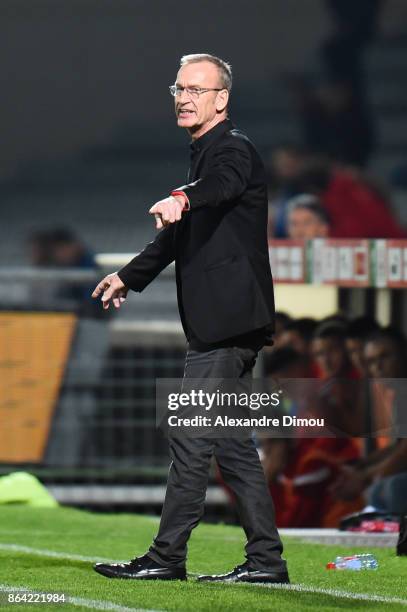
<point x="184" y="195"/>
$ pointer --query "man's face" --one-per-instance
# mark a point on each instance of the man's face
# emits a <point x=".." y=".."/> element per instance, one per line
<point x="198" y="114"/>
<point x="382" y="360"/>
<point x="303" y="225"/>
<point x="329" y="353"/>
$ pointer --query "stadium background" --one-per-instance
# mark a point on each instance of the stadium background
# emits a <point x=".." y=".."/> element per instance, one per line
<point x="88" y="142"/>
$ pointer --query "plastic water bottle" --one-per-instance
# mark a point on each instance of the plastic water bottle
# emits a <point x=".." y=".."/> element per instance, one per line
<point x="354" y="562"/>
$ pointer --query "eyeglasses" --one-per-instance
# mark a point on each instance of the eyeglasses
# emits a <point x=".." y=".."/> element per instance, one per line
<point x="194" y="92"/>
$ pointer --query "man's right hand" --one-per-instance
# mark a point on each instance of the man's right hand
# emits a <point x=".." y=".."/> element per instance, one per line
<point x="168" y="210"/>
<point x="113" y="289"/>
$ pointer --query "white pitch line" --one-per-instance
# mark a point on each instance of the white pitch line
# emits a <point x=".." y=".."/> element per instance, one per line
<point x="94" y="604"/>
<point x="43" y="552"/>
<point x="301" y="588"/>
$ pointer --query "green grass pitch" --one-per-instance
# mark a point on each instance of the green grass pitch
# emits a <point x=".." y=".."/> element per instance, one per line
<point x="42" y="550"/>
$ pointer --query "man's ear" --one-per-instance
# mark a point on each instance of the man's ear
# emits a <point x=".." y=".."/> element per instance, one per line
<point x="222" y="100"/>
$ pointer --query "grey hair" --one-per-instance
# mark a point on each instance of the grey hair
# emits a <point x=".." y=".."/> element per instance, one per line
<point x="311" y="203"/>
<point x="224" y="69"/>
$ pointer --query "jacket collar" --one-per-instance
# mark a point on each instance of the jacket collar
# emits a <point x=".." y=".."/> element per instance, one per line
<point x="206" y="139"/>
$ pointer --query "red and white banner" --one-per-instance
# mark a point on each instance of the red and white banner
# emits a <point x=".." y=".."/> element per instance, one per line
<point x="288" y="261"/>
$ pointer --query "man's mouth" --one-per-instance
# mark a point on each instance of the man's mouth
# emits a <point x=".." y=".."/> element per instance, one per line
<point x="185" y="112"/>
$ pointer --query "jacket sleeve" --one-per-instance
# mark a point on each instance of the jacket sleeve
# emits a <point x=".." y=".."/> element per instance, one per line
<point x="156" y="256"/>
<point x="227" y="177"/>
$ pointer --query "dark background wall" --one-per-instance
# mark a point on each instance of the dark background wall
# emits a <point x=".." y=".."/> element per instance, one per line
<point x="73" y="71"/>
<point x="88" y="139"/>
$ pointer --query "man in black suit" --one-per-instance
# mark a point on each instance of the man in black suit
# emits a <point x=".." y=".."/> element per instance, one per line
<point x="215" y="229"/>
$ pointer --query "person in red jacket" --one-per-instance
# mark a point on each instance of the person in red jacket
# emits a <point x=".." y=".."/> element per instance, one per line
<point x="354" y="205"/>
<point x="356" y="209"/>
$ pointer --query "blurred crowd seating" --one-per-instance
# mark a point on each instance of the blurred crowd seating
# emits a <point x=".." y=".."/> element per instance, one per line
<point x="317" y="481"/>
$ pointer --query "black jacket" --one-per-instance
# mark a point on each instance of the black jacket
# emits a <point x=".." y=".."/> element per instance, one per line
<point x="224" y="281"/>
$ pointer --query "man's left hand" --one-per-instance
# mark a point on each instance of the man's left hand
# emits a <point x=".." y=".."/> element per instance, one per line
<point x="167" y="211"/>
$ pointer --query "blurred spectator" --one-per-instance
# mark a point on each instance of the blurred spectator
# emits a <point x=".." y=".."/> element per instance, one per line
<point x="382" y="475"/>
<point x="286" y="362"/>
<point x="60" y="248"/>
<point x="299" y="470"/>
<point x="329" y="351"/>
<point x="281" y="320"/>
<point x="388" y="475"/>
<point x="356" y="333"/>
<point x="307" y="218"/>
<point x="355" y="208"/>
<point x="298" y="335"/>
<point x="286" y="166"/>
<point x="340" y="400"/>
<point x="385" y="354"/>
<point x="385" y="357"/>
<point x="337" y="318"/>
<point x="40" y="249"/>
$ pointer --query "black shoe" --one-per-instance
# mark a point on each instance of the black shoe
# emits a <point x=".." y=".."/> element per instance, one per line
<point x="141" y="568"/>
<point x="243" y="573"/>
<point x="265" y="577"/>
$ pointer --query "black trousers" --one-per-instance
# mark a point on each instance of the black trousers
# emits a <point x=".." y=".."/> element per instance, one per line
<point x="240" y="467"/>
